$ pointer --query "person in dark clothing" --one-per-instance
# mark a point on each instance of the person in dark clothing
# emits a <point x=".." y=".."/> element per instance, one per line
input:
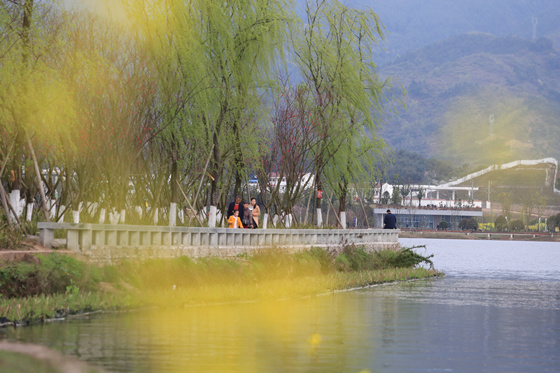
<point x="389" y="221"/>
<point x="236" y="206"/>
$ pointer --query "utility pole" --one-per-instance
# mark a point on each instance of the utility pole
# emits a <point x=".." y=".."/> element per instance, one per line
<point x="489" y="183"/>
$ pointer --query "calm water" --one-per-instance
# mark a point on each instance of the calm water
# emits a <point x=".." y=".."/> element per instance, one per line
<point x="497" y="310"/>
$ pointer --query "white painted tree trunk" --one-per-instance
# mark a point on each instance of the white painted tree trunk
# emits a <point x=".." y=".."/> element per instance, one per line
<point x="92" y="208"/>
<point x="15" y="201"/>
<point x="319" y="218"/>
<point x="61" y="218"/>
<point x="265" y="221"/>
<point x="52" y="210"/>
<point x="212" y="216"/>
<point x="156" y="216"/>
<point x="76" y="216"/>
<point x="29" y="215"/>
<point x="122" y="218"/>
<point x="343" y="219"/>
<point x="114" y="217"/>
<point x="172" y="214"/>
<point x="102" y="214"/>
<point x="288" y="220"/>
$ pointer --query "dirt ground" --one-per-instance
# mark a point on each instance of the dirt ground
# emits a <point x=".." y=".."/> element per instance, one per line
<point x="27" y="253"/>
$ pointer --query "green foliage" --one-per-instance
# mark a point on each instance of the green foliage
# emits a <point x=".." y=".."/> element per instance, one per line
<point x="334" y="49"/>
<point x="354" y="258"/>
<point x="46" y="274"/>
<point x="500" y="223"/>
<point x="10" y="238"/>
<point x="396" y="198"/>
<point x="26" y="310"/>
<point x="553" y="222"/>
<point x="403" y="258"/>
<point x="516" y="226"/>
<point x="443" y="224"/>
<point x="58" y="285"/>
<point x="468" y="224"/>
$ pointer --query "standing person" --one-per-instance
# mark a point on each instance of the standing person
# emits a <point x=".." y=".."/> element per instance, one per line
<point x="256" y="211"/>
<point x="389" y="221"/>
<point x="234" y="221"/>
<point x="236" y="205"/>
<point x="248" y="216"/>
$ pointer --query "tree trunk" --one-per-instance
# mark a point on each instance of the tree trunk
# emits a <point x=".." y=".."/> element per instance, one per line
<point x="215" y="170"/>
<point x="174" y="191"/>
<point x="39" y="180"/>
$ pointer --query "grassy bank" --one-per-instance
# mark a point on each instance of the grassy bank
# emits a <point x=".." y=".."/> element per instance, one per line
<point x="56" y="286"/>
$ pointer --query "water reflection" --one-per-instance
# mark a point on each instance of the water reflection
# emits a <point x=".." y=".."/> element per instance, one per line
<point x="493" y="259"/>
<point x="461" y="323"/>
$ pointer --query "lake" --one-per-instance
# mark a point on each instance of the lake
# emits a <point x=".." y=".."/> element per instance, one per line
<point x="496" y="310"/>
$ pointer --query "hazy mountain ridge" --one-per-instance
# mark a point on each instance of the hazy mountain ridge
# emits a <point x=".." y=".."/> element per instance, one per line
<point x="479" y="98"/>
<point x="413" y="24"/>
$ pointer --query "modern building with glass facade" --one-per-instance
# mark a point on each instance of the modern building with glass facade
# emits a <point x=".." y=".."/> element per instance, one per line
<point x="419" y="218"/>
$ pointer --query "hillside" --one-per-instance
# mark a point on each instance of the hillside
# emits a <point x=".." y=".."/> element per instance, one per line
<point x="413" y="24"/>
<point x="479" y="99"/>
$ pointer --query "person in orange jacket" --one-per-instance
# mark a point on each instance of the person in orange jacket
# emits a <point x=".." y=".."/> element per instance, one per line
<point x="234" y="221"/>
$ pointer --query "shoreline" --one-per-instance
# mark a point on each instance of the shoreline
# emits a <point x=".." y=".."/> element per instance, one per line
<point x="61" y="287"/>
<point x="498" y="236"/>
<point x="352" y="282"/>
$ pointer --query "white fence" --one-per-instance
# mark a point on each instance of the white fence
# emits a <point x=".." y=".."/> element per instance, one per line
<point x="107" y="243"/>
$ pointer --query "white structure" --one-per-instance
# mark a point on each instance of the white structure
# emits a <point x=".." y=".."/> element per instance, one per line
<point x="113" y="243"/>
<point x="306" y="181"/>
<point x="431" y="196"/>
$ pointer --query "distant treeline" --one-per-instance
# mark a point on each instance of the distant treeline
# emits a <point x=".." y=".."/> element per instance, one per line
<point x="413" y="168"/>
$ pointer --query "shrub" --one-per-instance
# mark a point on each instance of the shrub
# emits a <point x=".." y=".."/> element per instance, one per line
<point x="10" y="238"/>
<point x="553" y="222"/>
<point x="443" y="225"/>
<point x="468" y="224"/>
<point x="500" y="223"/>
<point x="516" y="226"/>
<point x="47" y="274"/>
<point x="354" y="258"/>
<point x="403" y="258"/>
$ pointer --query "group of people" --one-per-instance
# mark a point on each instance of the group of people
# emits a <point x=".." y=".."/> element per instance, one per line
<point x="243" y="215"/>
<point x="246" y="215"/>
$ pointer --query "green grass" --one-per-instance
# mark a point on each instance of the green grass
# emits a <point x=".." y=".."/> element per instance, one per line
<point x="58" y="285"/>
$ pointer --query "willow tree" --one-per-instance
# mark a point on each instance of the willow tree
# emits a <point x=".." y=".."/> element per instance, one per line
<point x="215" y="59"/>
<point x="286" y="149"/>
<point x="335" y="54"/>
<point x="114" y="93"/>
<point x="36" y="105"/>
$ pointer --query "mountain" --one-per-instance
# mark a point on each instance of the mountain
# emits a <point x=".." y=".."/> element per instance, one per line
<point x="413" y="24"/>
<point x="478" y="98"/>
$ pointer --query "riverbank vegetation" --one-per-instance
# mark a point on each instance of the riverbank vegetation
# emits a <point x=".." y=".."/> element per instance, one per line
<point x="57" y="286"/>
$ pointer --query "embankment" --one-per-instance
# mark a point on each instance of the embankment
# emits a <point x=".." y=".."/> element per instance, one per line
<point x="463" y="235"/>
